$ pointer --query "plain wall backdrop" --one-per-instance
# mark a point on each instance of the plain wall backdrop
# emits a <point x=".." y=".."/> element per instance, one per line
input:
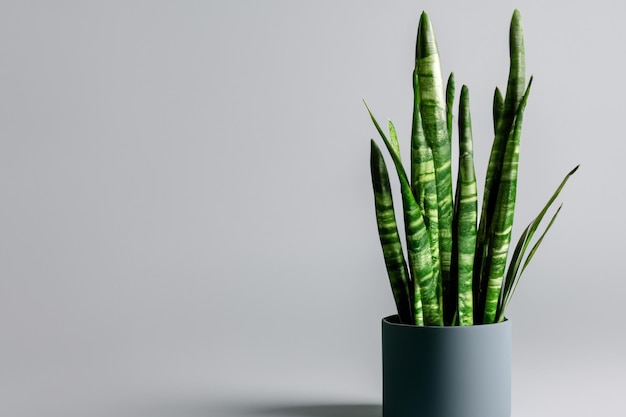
<point x="186" y="215"/>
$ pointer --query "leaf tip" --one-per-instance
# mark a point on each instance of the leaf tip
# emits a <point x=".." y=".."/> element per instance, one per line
<point x="375" y="153"/>
<point x="368" y="109"/>
<point x="516" y="20"/>
<point x="426" y="44"/>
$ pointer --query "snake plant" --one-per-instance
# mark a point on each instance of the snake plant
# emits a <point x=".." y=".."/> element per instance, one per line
<point x="457" y="271"/>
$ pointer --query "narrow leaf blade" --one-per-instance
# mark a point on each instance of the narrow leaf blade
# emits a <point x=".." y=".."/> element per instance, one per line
<point x="513" y="273"/>
<point x="389" y="236"/>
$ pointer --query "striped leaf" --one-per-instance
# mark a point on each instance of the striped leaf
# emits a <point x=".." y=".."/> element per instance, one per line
<point x="466" y="213"/>
<point x="498" y="106"/>
<point x="418" y="245"/>
<point x="503" y="215"/>
<point x="389" y="237"/>
<point x="450" y="313"/>
<point x="422" y="167"/>
<point x="434" y="122"/>
<point x="393" y="150"/>
<point x="504" y="300"/>
<point x="424" y="184"/>
<point x="513" y="272"/>
<point x="504" y="123"/>
<point x="450" y="87"/>
<point x="516" y="82"/>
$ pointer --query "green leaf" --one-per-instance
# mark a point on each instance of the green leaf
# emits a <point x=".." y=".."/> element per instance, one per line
<point x="466" y="216"/>
<point x="394" y="138"/>
<point x="513" y="271"/>
<point x="434" y="122"/>
<point x="389" y="236"/>
<point x="423" y="182"/>
<point x="498" y="107"/>
<point x="503" y="215"/>
<point x="516" y="82"/>
<point x="418" y="245"/>
<point x="450" y="87"/>
<point x="504" y="123"/>
<point x="393" y="150"/>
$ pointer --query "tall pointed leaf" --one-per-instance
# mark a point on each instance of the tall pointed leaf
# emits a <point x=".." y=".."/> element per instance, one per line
<point x="418" y="244"/>
<point x="513" y="97"/>
<point x="434" y="121"/>
<point x="389" y="237"/>
<point x="423" y="182"/>
<point x="467" y="213"/>
<point x="503" y="215"/>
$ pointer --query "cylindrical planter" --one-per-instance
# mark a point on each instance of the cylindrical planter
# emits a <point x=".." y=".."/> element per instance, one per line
<point x="460" y="371"/>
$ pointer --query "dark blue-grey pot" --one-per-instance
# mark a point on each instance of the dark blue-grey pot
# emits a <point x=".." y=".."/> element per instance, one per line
<point x="446" y="371"/>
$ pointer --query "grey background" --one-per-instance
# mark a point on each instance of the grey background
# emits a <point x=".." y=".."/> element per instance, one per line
<point x="186" y="219"/>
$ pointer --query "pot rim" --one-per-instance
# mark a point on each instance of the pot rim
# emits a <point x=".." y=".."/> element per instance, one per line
<point x="389" y="320"/>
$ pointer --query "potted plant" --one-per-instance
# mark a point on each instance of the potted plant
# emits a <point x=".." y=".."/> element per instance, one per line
<point x="447" y="352"/>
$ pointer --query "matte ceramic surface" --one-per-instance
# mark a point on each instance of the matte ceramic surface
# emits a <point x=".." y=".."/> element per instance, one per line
<point x="446" y="371"/>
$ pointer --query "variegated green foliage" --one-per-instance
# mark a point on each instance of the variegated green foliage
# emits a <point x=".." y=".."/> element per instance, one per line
<point x="389" y="237"/>
<point x="514" y="273"/>
<point x="424" y="284"/>
<point x="434" y="115"/>
<point x="456" y="272"/>
<point x="465" y="214"/>
<point x="423" y="183"/>
<point x="502" y="223"/>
